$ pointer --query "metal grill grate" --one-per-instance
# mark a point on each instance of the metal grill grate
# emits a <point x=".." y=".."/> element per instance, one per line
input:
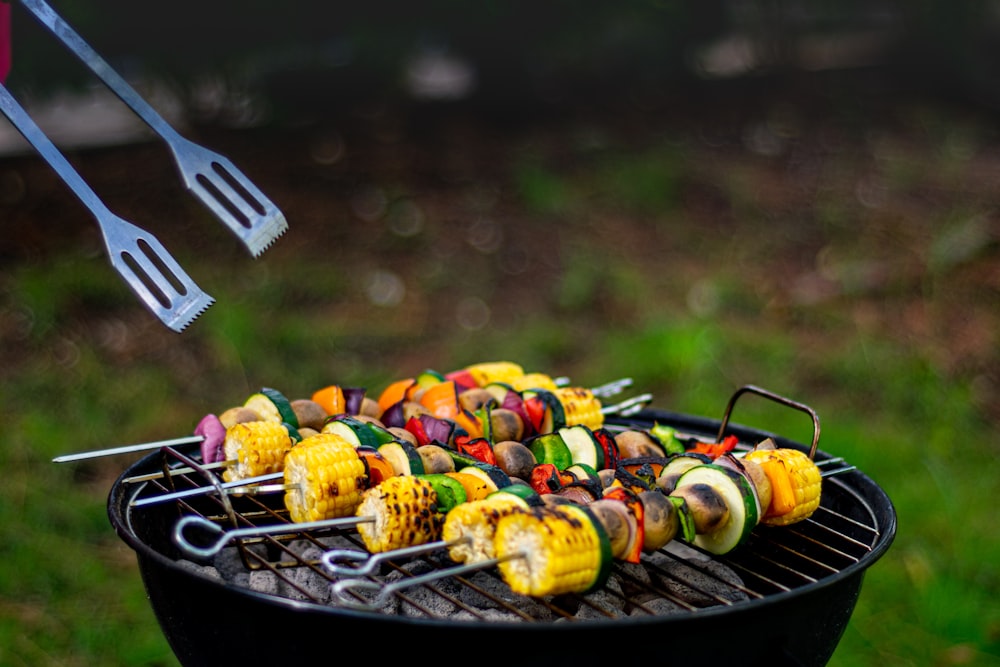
<point x="677" y="579"/>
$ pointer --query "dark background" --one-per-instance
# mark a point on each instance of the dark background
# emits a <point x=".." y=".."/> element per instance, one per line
<point x="527" y="56"/>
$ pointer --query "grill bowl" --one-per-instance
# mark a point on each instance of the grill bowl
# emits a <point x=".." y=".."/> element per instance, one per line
<point x="208" y="621"/>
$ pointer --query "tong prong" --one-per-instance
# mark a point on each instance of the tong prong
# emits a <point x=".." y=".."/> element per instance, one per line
<point x="216" y="181"/>
<point x="138" y="257"/>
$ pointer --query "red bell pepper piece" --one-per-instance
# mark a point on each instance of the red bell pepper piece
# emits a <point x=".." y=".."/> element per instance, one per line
<point x="462" y="378"/>
<point x="715" y="449"/>
<point x="535" y="408"/>
<point x="545" y="478"/>
<point x="479" y="448"/>
<point x="416" y="427"/>
<point x="610" y="447"/>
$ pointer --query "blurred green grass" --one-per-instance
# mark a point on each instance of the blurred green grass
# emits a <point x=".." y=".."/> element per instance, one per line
<point x="858" y="276"/>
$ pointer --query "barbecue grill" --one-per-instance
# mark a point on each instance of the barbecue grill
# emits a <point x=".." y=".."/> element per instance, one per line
<point x="782" y="598"/>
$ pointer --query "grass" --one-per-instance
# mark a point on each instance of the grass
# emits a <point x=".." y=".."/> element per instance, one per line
<point x="880" y="317"/>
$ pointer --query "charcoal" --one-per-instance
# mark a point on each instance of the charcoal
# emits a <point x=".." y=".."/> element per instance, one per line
<point x="263" y="581"/>
<point x="685" y="552"/>
<point x="701" y="582"/>
<point x="423" y="602"/>
<point x="303" y="583"/>
<point x="229" y="564"/>
<point x="602" y="603"/>
<point x="207" y="570"/>
<point x="634" y="573"/>
<point x="488" y="592"/>
<point x="655" y="605"/>
<point x="337" y="541"/>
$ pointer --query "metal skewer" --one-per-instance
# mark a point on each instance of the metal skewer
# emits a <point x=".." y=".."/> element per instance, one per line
<point x="611" y="388"/>
<point x="629" y="406"/>
<point x="334" y="560"/>
<point x="246" y="486"/>
<point x="222" y="537"/>
<point x="128" y="449"/>
<point x="844" y="467"/>
<point x="185" y="470"/>
<point x="384" y="590"/>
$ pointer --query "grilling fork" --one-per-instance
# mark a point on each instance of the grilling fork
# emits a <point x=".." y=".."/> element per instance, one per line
<point x="137" y="255"/>
<point x="220" y="186"/>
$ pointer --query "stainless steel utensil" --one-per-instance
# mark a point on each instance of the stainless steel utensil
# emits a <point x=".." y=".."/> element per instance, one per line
<point x="230" y="195"/>
<point x="136" y="254"/>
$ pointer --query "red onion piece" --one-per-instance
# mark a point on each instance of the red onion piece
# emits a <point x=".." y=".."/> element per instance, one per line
<point x="437" y="429"/>
<point x="394" y="416"/>
<point x="214" y="434"/>
<point x="353" y="396"/>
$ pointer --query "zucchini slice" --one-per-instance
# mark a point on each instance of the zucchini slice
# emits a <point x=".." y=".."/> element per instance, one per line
<point x="494" y="477"/>
<point x="605" y="559"/>
<point x="531" y="497"/>
<point x="354" y="431"/>
<point x="583" y="446"/>
<point x="403" y="456"/>
<point x="272" y="405"/>
<point x="735" y="490"/>
<point x="551" y="448"/>
<point x="676" y="466"/>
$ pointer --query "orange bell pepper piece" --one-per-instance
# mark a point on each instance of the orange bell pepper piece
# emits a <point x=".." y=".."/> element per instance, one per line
<point x="441" y="399"/>
<point x="782" y="493"/>
<point x="394" y="393"/>
<point x="331" y="399"/>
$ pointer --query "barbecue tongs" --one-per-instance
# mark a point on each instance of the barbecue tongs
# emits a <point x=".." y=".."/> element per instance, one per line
<point x="220" y="186"/>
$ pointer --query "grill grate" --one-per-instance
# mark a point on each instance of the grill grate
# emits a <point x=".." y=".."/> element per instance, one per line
<point x="677" y="579"/>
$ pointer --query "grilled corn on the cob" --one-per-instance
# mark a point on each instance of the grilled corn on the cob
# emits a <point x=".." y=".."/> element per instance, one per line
<point x="552" y="549"/>
<point x="325" y="478"/>
<point x="469" y="528"/>
<point x="533" y="381"/>
<point x="796" y="484"/>
<point x="256" y="448"/>
<point x="580" y="406"/>
<point x="399" y="512"/>
<point x="495" y="371"/>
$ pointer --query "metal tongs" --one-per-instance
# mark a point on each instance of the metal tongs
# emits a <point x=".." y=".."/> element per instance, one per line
<point x="150" y="271"/>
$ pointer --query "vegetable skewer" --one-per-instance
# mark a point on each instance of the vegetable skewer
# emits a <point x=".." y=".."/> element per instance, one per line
<point x="402" y="509"/>
<point x="270" y="405"/>
<point x="398" y="524"/>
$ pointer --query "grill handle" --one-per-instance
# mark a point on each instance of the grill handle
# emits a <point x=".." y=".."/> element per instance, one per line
<point x="749" y="388"/>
